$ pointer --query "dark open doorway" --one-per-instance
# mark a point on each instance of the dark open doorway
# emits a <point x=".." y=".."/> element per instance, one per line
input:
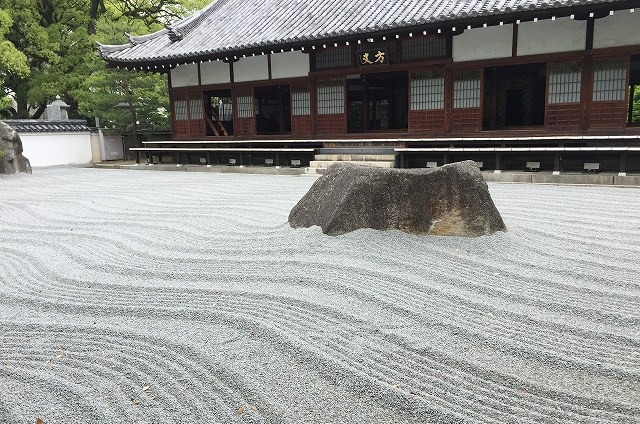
<point x="377" y="101"/>
<point x="218" y="112"/>
<point x="273" y="109"/>
<point x="514" y="96"/>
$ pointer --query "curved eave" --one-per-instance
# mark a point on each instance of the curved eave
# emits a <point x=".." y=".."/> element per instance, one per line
<point x="105" y="49"/>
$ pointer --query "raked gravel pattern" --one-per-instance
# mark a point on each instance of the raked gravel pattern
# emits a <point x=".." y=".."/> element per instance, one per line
<point x="176" y="297"/>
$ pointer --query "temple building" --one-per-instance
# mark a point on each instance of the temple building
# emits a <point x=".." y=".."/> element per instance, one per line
<point x="511" y="84"/>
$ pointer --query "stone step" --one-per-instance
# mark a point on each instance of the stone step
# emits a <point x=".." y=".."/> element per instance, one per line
<point x="376" y="163"/>
<point x="354" y="157"/>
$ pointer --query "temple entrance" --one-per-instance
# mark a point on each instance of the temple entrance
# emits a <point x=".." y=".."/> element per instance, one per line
<point x="218" y="107"/>
<point x="377" y="101"/>
<point x="514" y="96"/>
<point x="273" y="109"/>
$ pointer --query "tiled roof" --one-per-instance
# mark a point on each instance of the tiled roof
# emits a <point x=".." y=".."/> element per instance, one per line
<point x="228" y="26"/>
<point x="36" y="126"/>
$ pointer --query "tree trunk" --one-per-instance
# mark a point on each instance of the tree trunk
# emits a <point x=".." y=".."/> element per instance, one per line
<point x="22" y="108"/>
<point x="97" y="8"/>
<point x="38" y="113"/>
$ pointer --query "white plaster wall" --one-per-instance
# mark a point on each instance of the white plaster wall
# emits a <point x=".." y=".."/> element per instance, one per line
<point x="483" y="43"/>
<point x="621" y="29"/>
<point x="251" y="69"/>
<point x="216" y="72"/>
<point x="57" y="148"/>
<point x="184" y="75"/>
<point x="549" y="36"/>
<point x="289" y="65"/>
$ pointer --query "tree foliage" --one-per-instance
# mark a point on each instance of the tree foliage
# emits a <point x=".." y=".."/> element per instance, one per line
<point x="47" y="33"/>
<point x="48" y="47"/>
<point x="636" y="105"/>
<point x="118" y="97"/>
<point x="11" y="59"/>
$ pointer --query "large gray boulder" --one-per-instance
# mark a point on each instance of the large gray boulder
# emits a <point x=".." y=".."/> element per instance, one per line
<point x="451" y="200"/>
<point x="11" y="158"/>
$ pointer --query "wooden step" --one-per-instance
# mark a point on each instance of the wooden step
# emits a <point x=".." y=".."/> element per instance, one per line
<point x="354" y="157"/>
<point x="317" y="166"/>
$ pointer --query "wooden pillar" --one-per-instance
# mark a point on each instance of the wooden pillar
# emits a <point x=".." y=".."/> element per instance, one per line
<point x="493" y="98"/>
<point x="498" y="162"/>
<point x="586" y="92"/>
<point x="241" y="159"/>
<point x="448" y="99"/>
<point x="556" y="163"/>
<point x="313" y="109"/>
<point x="514" y="40"/>
<point x="365" y="103"/>
<point x="137" y="157"/>
<point x="623" y="164"/>
<point x="280" y="108"/>
<point x="445" y="158"/>
<point x="178" y="158"/>
<point x="208" y="158"/>
<point x="234" y="106"/>
<point x="172" y="109"/>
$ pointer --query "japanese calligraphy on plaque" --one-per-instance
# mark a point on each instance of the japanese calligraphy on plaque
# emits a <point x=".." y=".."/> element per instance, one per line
<point x="372" y="57"/>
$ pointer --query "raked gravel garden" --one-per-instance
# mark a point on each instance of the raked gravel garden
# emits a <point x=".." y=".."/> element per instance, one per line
<point x="164" y="297"/>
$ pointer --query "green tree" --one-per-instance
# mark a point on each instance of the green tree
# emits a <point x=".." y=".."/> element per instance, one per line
<point x="48" y="47"/>
<point x="47" y="33"/>
<point x="141" y="98"/>
<point x="125" y="101"/>
<point x="147" y="11"/>
<point x="635" y="116"/>
<point x="12" y="61"/>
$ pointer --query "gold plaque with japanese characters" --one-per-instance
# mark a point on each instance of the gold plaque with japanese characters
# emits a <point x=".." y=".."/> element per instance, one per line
<point x="372" y="57"/>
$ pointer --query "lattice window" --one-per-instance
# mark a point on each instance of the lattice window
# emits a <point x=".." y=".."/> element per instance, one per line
<point x="466" y="89"/>
<point x="330" y="96"/>
<point x="182" y="112"/>
<point x="245" y="104"/>
<point x="300" y="100"/>
<point x="334" y="57"/>
<point x="195" y="109"/>
<point x="609" y="80"/>
<point x="564" y="83"/>
<point x="424" y="48"/>
<point x="427" y="90"/>
<point x="225" y="108"/>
